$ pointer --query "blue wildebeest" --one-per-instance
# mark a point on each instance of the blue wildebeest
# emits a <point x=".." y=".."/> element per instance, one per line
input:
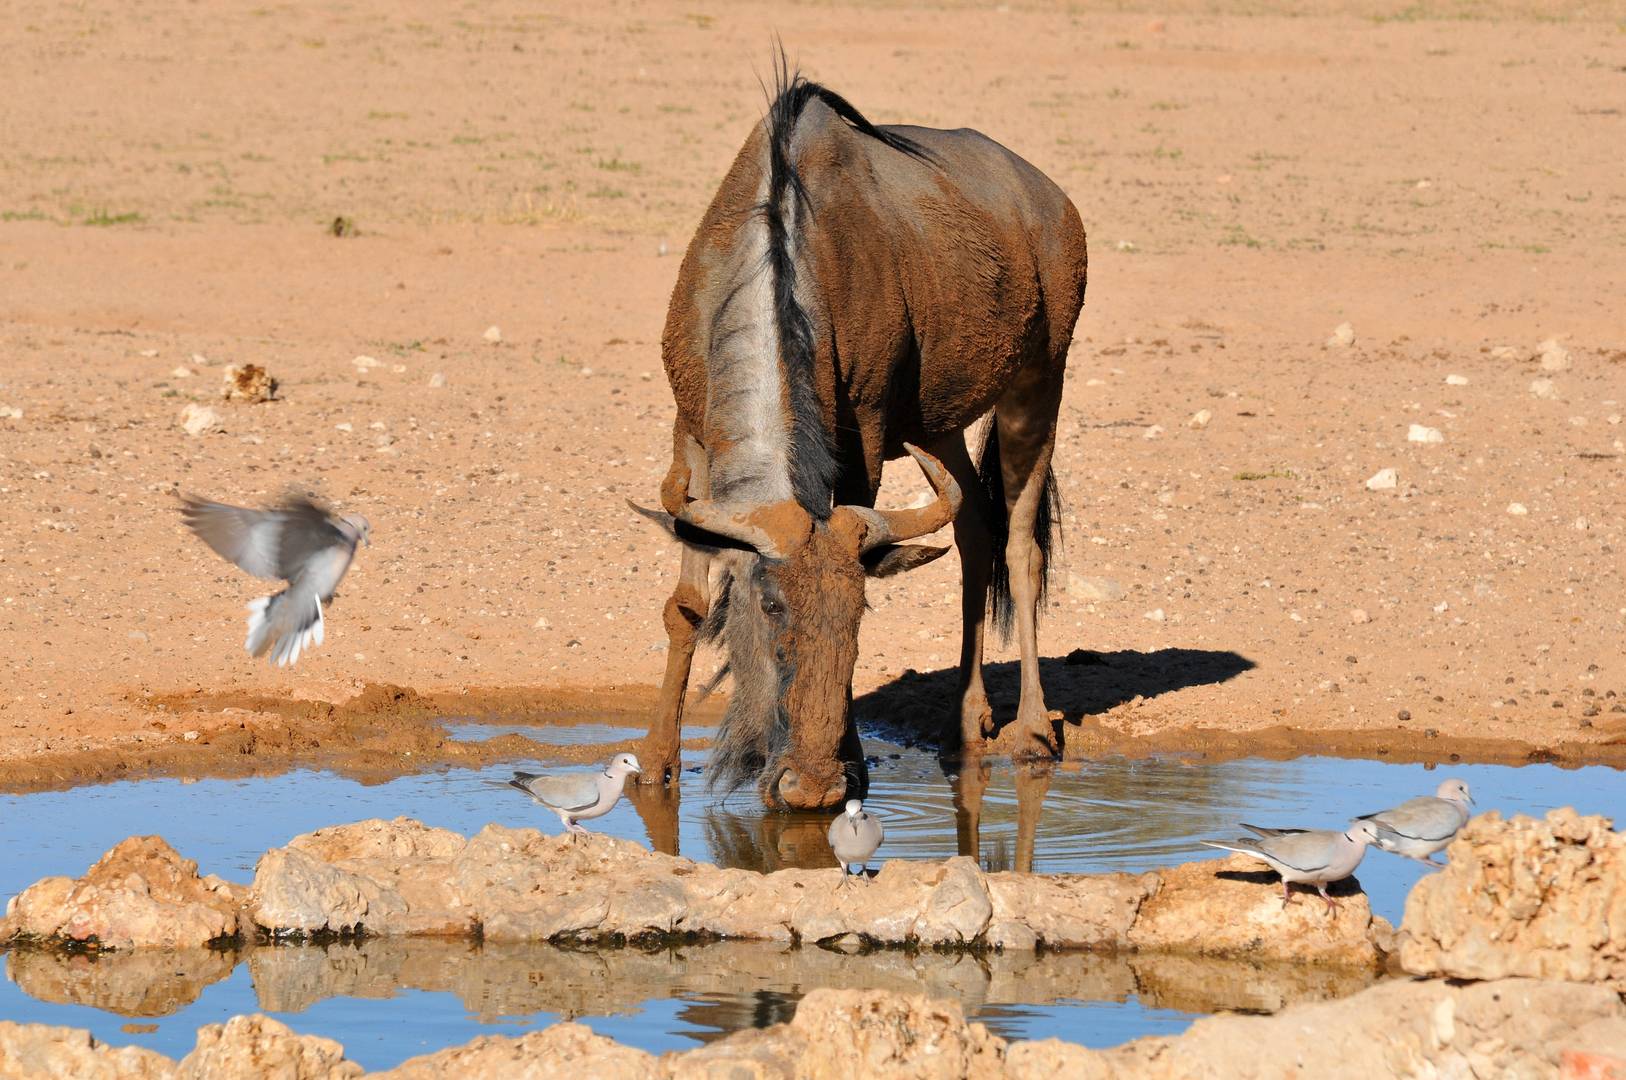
<point x="855" y="293"/>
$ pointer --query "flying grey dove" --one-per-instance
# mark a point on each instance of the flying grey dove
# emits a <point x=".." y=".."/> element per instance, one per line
<point x="1307" y="857"/>
<point x="1417" y="828"/>
<point x="577" y="797"/>
<point x="854" y="836"/>
<point x="298" y="542"/>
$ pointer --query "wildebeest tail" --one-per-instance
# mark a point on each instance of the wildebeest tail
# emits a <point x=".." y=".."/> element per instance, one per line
<point x="991" y="479"/>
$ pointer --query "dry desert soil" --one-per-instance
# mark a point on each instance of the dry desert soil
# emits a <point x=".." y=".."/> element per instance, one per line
<point x="1443" y="177"/>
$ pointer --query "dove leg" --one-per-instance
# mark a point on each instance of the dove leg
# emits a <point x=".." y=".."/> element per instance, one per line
<point x="1427" y="860"/>
<point x="1332" y="905"/>
<point x="686" y="609"/>
<point x="843" y="883"/>
<point x="1287" y="893"/>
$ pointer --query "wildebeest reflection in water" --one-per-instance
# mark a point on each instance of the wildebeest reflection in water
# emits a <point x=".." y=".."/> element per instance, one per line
<point x="1113" y="814"/>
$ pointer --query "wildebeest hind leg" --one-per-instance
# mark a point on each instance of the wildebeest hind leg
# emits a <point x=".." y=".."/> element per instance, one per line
<point x="1026" y="416"/>
<point x="974" y="543"/>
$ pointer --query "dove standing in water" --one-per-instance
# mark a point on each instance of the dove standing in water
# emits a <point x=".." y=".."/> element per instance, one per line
<point x="577" y="797"/>
<point x="1308" y="856"/>
<point x="298" y="542"/>
<point x="1417" y="828"/>
<point x="854" y="836"/>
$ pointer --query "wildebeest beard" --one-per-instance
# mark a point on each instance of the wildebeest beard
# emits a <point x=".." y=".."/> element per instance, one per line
<point x="755" y="732"/>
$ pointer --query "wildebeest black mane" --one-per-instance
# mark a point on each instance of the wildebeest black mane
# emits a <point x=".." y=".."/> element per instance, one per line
<point x="812" y="462"/>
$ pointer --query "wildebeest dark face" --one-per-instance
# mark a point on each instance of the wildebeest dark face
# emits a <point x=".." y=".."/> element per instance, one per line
<point x="787" y="612"/>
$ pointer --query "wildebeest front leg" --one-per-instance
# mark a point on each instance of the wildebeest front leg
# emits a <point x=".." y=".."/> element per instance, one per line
<point x="686" y="609"/>
<point x="1026" y="416"/>
<point x="974" y="543"/>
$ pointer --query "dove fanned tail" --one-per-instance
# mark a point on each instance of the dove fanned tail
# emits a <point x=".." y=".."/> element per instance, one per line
<point x="259" y="625"/>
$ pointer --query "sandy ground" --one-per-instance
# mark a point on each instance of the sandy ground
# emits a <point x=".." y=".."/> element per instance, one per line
<point x="1447" y="186"/>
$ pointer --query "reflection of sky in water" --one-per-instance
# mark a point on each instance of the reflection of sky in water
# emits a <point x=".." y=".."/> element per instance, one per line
<point x="372" y="998"/>
<point x="1103" y="816"/>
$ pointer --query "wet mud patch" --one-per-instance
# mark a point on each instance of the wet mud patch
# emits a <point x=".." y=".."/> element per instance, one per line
<point x="383" y="732"/>
<point x="1086" y="690"/>
<point x="388" y="731"/>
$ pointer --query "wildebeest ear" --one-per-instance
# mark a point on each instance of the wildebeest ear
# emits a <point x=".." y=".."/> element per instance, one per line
<point x="703" y="540"/>
<point x="889" y="559"/>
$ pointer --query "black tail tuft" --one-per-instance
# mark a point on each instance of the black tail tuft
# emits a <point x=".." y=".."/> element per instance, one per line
<point x="1046" y="524"/>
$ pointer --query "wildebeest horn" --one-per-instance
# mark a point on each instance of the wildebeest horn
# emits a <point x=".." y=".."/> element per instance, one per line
<point x="896" y="526"/>
<point x="773" y="530"/>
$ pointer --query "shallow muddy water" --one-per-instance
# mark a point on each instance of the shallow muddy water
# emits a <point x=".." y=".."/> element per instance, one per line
<point x="1118" y="814"/>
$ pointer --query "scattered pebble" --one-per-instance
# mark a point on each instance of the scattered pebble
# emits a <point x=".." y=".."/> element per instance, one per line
<point x="181" y="373"/>
<point x="344" y="426"/>
<point x="1441" y="608"/>
<point x="1403" y="715"/>
<point x="1418" y="433"/>
<point x="1080" y="587"/>
<point x="1507" y="352"/>
<point x="364" y="363"/>
<point x="1383" y="480"/>
<point x="199" y="360"/>
<point x="1456" y="380"/>
<point x="1200" y="418"/>
<point x="1156" y="615"/>
<point x="493" y="334"/>
<point x="542" y="623"/>
<point x="1553" y="356"/>
<point x="1581" y="524"/>
<point x="1517" y="509"/>
<point x="437" y="380"/>
<point x="200" y="419"/>
<point x="149" y="353"/>
<point x="10" y="412"/>
<point x="1359" y="617"/>
<point x="1544" y="389"/>
<point x="1423" y="185"/>
<point x="1154" y="431"/>
<point x="1343" y="336"/>
<point x="1126" y="245"/>
<point x="660" y="250"/>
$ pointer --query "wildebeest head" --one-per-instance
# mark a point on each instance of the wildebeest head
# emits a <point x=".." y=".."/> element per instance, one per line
<point x="788" y="611"/>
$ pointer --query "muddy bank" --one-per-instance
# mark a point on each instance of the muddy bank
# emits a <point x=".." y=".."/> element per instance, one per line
<point x="387" y="731"/>
<point x="1513" y="1027"/>
<point x="382" y="732"/>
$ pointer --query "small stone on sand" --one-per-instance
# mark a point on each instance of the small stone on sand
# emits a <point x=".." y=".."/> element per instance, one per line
<point x="1418" y="433"/>
<point x="1383" y="480"/>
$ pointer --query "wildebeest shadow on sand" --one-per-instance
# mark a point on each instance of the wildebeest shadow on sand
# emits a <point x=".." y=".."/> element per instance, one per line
<point x="921" y="708"/>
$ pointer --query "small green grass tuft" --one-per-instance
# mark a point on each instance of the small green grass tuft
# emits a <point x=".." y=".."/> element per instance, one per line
<point x="103" y="218"/>
<point x="1274" y="474"/>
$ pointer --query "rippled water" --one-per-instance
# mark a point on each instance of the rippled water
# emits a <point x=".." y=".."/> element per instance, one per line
<point x="1100" y="816"/>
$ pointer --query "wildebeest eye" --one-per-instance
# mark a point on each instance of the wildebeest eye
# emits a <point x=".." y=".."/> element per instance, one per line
<point x="772" y="607"/>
